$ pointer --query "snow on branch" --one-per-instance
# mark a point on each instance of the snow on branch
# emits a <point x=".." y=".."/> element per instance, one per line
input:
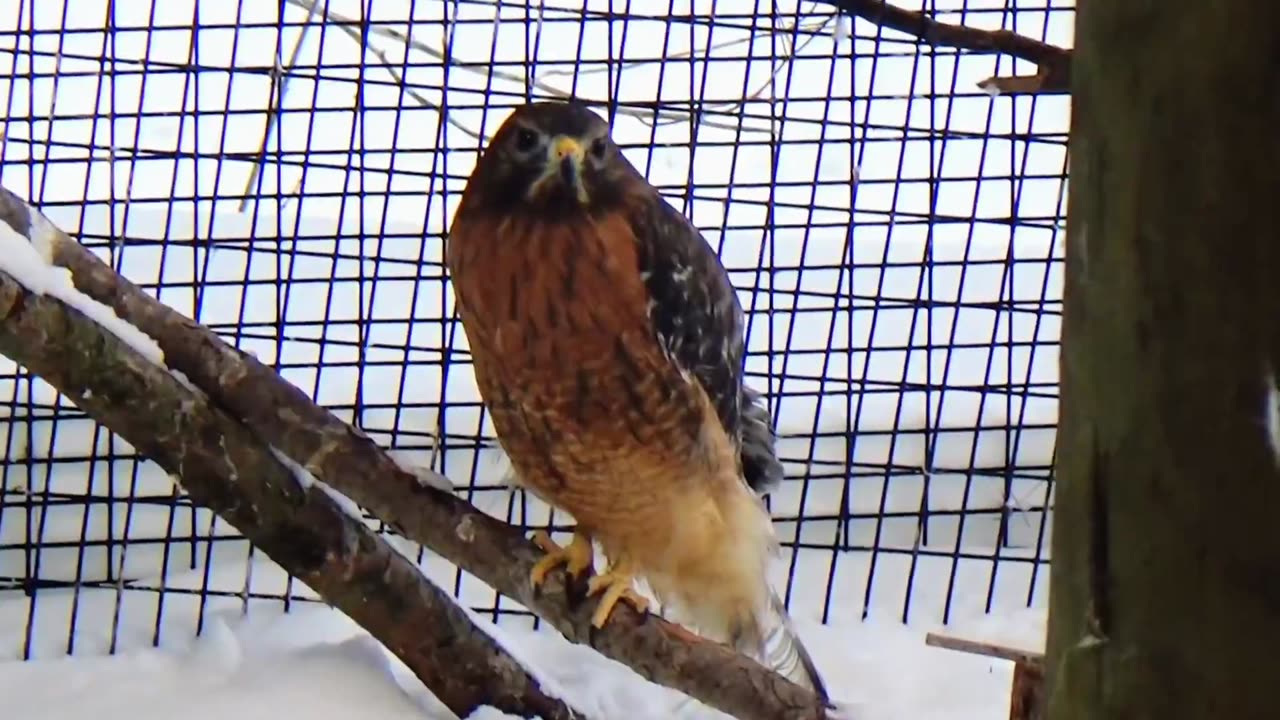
<point x="26" y="253"/>
<point x="225" y="466"/>
<point x="1054" y="63"/>
<point x="273" y="413"/>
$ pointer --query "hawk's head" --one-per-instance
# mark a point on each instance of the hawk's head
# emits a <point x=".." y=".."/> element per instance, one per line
<point x="552" y="157"/>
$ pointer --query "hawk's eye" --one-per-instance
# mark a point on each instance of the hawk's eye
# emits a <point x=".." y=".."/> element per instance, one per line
<point x="526" y="140"/>
<point x="599" y="147"/>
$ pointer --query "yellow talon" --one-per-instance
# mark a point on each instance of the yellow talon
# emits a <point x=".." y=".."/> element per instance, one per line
<point x="616" y="585"/>
<point x="576" y="557"/>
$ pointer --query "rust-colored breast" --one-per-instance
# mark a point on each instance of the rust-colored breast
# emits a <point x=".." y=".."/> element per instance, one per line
<point x="586" y="404"/>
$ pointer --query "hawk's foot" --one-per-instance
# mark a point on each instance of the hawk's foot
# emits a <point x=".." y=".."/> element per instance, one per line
<point x="616" y="585"/>
<point x="577" y="556"/>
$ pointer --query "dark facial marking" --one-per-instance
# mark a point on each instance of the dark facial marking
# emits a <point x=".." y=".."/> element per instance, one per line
<point x="598" y="148"/>
<point x="526" y="140"/>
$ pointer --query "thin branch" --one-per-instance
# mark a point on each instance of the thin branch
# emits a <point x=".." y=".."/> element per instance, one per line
<point x="494" y="551"/>
<point x="784" y="30"/>
<point x="353" y="27"/>
<point x="275" y="108"/>
<point x="225" y="467"/>
<point x="1054" y="63"/>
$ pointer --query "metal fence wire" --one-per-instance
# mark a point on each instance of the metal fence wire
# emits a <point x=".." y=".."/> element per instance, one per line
<point x="285" y="174"/>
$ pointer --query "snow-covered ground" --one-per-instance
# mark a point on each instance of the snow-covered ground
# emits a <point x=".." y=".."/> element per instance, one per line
<point x="314" y="662"/>
<point x="930" y="331"/>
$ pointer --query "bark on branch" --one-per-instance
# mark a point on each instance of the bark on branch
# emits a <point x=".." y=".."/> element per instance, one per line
<point x="223" y="466"/>
<point x="492" y="550"/>
<point x="1054" y="63"/>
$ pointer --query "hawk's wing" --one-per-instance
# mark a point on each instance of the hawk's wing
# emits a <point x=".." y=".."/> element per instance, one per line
<point x="695" y="312"/>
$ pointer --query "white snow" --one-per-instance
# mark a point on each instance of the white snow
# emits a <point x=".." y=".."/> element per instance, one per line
<point x="42" y="234"/>
<point x="313" y="662"/>
<point x="403" y="458"/>
<point x="880" y="667"/>
<point x="536" y="664"/>
<point x="27" y="260"/>
<point x="306" y="480"/>
<point x="924" y="382"/>
<point x="411" y="462"/>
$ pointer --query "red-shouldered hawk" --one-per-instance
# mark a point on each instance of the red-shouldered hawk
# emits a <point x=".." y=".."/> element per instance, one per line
<point x="608" y="349"/>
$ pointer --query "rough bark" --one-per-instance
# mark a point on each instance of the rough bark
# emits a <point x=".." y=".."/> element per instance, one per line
<point x="492" y="550"/>
<point x="1165" y="599"/>
<point x="224" y="467"/>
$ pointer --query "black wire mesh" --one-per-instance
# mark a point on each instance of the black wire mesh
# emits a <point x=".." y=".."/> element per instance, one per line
<point x="285" y="176"/>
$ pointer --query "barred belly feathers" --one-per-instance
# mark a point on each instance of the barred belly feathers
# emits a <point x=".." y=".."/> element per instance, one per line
<point x="608" y="349"/>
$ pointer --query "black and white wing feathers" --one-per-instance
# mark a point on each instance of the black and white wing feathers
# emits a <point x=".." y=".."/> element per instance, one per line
<point x="696" y="314"/>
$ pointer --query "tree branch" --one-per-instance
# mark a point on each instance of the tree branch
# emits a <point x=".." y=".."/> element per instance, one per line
<point x="224" y="467"/>
<point x="1054" y="62"/>
<point x="494" y="551"/>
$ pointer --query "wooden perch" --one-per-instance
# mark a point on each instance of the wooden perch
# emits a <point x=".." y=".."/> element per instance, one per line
<point x="223" y="466"/>
<point x="1054" y="63"/>
<point x="492" y="550"/>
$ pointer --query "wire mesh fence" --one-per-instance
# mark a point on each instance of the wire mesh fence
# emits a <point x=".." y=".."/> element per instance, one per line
<point x="286" y="174"/>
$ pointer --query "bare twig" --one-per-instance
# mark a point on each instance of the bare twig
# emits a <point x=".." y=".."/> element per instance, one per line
<point x="784" y="30"/>
<point x="486" y="547"/>
<point x="275" y="107"/>
<point x="1054" y="62"/>
<point x="353" y="28"/>
<point x="225" y="467"/>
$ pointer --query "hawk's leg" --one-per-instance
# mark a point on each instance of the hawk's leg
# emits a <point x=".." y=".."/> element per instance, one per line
<point x="615" y="583"/>
<point x="576" y="557"/>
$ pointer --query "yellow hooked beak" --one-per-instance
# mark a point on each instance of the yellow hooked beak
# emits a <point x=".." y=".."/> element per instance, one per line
<point x="565" y="158"/>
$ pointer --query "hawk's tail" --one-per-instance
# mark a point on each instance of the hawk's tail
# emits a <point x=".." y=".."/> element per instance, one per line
<point x="760" y="466"/>
<point x="779" y="648"/>
<point x="714" y="575"/>
<point x="783" y="652"/>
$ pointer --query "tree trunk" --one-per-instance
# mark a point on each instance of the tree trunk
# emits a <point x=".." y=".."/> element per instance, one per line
<point x="1166" y="572"/>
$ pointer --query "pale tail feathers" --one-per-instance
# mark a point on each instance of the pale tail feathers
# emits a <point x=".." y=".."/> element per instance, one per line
<point x="785" y="654"/>
<point x="715" y="581"/>
<point x="780" y="649"/>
